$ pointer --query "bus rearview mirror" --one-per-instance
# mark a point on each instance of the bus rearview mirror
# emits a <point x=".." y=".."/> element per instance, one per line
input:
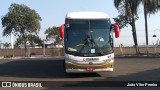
<point x="62" y="31"/>
<point x="116" y="30"/>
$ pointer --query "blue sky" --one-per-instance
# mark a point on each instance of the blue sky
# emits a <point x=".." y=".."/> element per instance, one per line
<point x="53" y="13"/>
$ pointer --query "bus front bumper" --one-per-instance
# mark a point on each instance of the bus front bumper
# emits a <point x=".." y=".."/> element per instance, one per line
<point x="74" y="68"/>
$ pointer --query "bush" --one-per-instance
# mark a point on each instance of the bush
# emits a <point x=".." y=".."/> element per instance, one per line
<point x="8" y="56"/>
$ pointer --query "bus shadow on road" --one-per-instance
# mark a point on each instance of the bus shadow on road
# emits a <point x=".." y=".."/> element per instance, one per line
<point x="38" y="69"/>
<point x="119" y="81"/>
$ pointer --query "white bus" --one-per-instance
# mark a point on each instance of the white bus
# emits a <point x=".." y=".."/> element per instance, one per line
<point x="88" y="42"/>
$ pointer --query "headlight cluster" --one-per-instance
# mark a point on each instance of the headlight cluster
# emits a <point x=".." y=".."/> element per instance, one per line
<point x="71" y="60"/>
<point x="108" y="60"/>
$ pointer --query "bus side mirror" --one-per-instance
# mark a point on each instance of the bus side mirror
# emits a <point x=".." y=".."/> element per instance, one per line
<point x="61" y="29"/>
<point x="116" y="30"/>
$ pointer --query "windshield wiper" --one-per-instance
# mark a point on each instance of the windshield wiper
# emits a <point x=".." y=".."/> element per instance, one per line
<point x="87" y="40"/>
<point x="92" y="41"/>
<point x="100" y="50"/>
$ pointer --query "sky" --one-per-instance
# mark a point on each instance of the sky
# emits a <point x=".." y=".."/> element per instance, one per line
<point x="53" y="13"/>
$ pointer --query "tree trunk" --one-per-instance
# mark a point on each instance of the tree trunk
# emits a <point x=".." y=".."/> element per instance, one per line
<point x="146" y="26"/>
<point x="25" y="46"/>
<point x="134" y="34"/>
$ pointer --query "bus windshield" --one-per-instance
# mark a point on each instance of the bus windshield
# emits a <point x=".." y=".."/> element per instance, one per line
<point x="88" y="37"/>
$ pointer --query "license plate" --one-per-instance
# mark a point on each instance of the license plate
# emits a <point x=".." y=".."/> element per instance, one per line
<point x="89" y="69"/>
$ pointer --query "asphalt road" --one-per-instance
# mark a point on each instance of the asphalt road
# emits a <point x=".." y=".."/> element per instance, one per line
<point x="126" y="69"/>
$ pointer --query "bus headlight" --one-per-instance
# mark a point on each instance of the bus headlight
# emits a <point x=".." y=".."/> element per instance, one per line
<point x="108" y="60"/>
<point x="71" y="60"/>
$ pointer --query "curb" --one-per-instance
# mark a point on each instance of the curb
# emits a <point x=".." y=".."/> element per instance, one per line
<point x="54" y="57"/>
<point x="137" y="56"/>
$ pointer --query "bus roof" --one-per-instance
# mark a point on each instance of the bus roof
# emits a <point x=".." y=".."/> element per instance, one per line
<point x="87" y="15"/>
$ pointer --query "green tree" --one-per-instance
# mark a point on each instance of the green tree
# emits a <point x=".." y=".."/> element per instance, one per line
<point x="128" y="12"/>
<point x="53" y="34"/>
<point x="22" y="22"/>
<point x="150" y="7"/>
<point x="32" y="41"/>
<point x="6" y="45"/>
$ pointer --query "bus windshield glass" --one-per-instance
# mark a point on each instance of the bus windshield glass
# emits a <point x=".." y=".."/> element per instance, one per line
<point x="88" y="37"/>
